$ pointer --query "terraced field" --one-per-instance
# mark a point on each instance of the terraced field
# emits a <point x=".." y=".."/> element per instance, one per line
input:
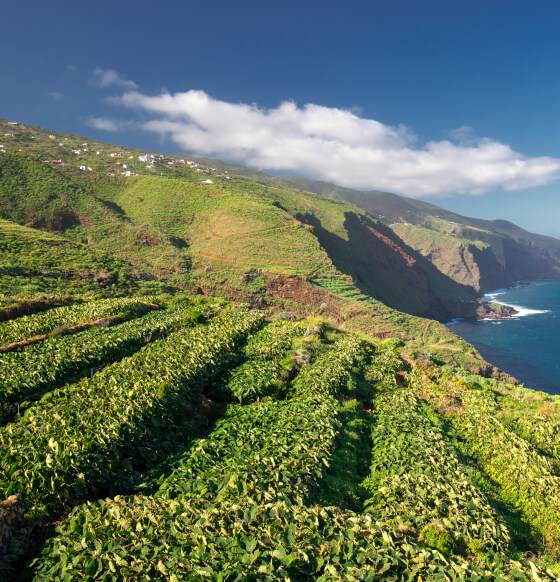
<point x="191" y="440"/>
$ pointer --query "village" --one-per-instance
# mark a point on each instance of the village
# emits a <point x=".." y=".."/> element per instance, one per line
<point x="85" y="157"/>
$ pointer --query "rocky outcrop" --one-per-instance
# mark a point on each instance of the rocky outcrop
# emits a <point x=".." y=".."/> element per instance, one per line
<point x="11" y="517"/>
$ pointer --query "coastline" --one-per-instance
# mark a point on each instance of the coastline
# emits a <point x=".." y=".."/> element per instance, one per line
<point x="522" y="346"/>
<point x="490" y="297"/>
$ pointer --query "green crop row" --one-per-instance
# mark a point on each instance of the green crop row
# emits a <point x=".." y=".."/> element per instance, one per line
<point x="49" y="364"/>
<point x="418" y="482"/>
<point x="333" y="371"/>
<point x="385" y="364"/>
<point x="272" y="448"/>
<point x="265" y="450"/>
<point x="273" y="341"/>
<point x="268" y="454"/>
<point x="262" y="374"/>
<point x="92" y="434"/>
<point x="254" y="380"/>
<point x="41" y="323"/>
<point x="148" y="539"/>
<point x="525" y="476"/>
<point x="542" y="430"/>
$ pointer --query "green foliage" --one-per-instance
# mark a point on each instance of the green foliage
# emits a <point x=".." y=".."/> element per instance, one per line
<point x="61" y="359"/>
<point x="66" y="316"/>
<point x="252" y="448"/>
<point x="416" y="477"/>
<point x="385" y="365"/>
<point x="526" y="478"/>
<point x="90" y="435"/>
<point x="434" y="536"/>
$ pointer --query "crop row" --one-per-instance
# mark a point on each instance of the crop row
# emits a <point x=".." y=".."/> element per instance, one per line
<point x="542" y="430"/>
<point x="146" y="539"/>
<point x="417" y="481"/>
<point x="237" y="507"/>
<point x="47" y="365"/>
<point x="263" y="374"/>
<point x="274" y="340"/>
<point x="266" y="454"/>
<point x="68" y="315"/>
<point x="272" y="448"/>
<point x="525" y="476"/>
<point x="94" y="433"/>
<point x="333" y="372"/>
<point x="385" y="365"/>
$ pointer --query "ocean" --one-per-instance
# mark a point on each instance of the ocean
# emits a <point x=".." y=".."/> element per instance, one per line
<point x="528" y="345"/>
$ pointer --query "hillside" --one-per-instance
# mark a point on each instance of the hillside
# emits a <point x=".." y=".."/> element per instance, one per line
<point x="213" y="380"/>
<point x="480" y="254"/>
<point x="483" y="254"/>
<point x="213" y="443"/>
<point x="159" y="214"/>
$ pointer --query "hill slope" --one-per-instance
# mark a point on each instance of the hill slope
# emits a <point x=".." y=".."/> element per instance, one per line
<point x="180" y="228"/>
<point x="483" y="254"/>
<point x="323" y="436"/>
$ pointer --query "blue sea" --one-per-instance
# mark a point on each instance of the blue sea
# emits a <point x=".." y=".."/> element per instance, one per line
<point x="528" y="345"/>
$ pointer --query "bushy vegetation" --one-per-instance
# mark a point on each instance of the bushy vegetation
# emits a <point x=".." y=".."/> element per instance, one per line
<point x="185" y="438"/>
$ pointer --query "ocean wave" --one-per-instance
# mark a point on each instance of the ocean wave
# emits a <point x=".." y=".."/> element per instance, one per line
<point x="521" y="311"/>
<point x="491" y="295"/>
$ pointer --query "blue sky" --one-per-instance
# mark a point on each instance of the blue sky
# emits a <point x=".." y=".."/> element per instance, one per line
<point x="453" y="102"/>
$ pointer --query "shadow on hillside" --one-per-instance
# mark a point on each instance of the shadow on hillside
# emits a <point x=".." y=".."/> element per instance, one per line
<point x="382" y="266"/>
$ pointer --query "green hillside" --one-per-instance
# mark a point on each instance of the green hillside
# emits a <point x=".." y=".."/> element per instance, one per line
<point x="232" y="380"/>
<point x="273" y="449"/>
<point x="483" y="254"/>
<point x="171" y="223"/>
<point x="35" y="264"/>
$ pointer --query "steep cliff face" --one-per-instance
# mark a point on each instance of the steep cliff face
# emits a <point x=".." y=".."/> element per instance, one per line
<point x="384" y="266"/>
<point x="483" y="254"/>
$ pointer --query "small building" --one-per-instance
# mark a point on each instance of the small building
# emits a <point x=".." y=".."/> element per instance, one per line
<point x="207" y="181"/>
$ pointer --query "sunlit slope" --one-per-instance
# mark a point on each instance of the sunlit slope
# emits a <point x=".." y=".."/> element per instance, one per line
<point x="35" y="263"/>
<point x="232" y="228"/>
<point x="226" y="443"/>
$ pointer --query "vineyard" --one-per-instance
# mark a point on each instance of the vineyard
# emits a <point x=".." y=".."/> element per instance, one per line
<point x="188" y="439"/>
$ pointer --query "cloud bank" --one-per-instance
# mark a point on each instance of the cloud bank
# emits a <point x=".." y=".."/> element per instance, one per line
<point x="336" y="145"/>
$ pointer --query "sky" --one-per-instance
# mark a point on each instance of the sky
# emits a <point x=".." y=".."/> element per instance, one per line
<point x="452" y="102"/>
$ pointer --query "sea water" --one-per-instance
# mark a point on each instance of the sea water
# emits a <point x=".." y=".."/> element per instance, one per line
<point x="526" y="346"/>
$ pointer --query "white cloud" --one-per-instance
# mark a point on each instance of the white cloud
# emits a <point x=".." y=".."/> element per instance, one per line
<point x="339" y="146"/>
<point x="111" y="78"/>
<point x="56" y="96"/>
<point x="107" y="124"/>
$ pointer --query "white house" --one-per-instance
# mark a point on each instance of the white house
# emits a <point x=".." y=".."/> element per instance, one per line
<point x="207" y="181"/>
